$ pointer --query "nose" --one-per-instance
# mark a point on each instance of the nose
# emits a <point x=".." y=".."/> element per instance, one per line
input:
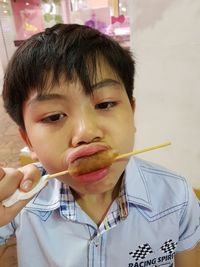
<point x="86" y="128"/>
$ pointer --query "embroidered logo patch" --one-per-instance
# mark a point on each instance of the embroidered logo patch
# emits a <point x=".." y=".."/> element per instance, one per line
<point x="141" y="252"/>
<point x="169" y="246"/>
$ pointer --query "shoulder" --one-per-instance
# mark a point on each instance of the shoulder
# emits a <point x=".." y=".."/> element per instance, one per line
<point x="165" y="190"/>
<point x="159" y="177"/>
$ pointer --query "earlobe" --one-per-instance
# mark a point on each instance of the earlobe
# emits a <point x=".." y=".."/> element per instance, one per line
<point x="25" y="138"/>
<point x="27" y="141"/>
<point x="133" y="104"/>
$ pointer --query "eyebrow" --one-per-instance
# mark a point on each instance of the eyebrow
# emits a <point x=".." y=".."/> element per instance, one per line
<point x="104" y="83"/>
<point x="46" y="97"/>
<point x="53" y="96"/>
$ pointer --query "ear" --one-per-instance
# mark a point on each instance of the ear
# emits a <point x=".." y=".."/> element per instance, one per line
<point x="133" y="104"/>
<point x="27" y="141"/>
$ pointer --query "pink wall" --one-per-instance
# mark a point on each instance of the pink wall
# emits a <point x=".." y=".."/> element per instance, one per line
<point x="97" y="3"/>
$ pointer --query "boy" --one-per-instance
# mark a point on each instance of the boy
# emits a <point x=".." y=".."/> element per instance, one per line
<point x="70" y="91"/>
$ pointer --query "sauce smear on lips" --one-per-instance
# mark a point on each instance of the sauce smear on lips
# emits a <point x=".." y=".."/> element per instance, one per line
<point x="92" y="163"/>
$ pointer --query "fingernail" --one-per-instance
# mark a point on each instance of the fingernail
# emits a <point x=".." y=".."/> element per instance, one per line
<point x="26" y="185"/>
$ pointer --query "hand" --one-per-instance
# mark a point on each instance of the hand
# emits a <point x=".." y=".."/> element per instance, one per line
<point x="188" y="258"/>
<point x="24" y="179"/>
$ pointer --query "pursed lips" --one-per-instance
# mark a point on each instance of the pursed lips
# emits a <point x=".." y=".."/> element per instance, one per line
<point x="84" y="151"/>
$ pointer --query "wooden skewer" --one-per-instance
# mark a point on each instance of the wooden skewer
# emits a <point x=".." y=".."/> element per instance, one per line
<point x="118" y="157"/>
<point x="57" y="174"/>
<point x="142" y="150"/>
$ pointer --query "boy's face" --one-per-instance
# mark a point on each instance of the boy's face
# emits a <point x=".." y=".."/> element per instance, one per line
<point x="65" y="123"/>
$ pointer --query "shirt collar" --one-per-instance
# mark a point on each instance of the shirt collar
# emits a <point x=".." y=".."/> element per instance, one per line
<point x="58" y="195"/>
<point x="48" y="198"/>
<point x="133" y="191"/>
<point x="136" y="185"/>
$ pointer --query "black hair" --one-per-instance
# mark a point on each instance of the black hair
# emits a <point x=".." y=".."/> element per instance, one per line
<point x="69" y="49"/>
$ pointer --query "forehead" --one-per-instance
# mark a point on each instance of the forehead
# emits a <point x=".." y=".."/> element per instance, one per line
<point x="104" y="76"/>
<point x="85" y="80"/>
<point x="104" y="69"/>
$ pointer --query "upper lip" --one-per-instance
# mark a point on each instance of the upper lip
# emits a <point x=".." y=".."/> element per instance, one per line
<point x="85" y="150"/>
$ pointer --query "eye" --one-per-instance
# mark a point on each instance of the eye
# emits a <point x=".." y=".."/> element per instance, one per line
<point x="53" y="118"/>
<point x="105" y="105"/>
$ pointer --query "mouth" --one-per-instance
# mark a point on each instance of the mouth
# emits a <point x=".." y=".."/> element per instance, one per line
<point x="92" y="163"/>
<point x="93" y="176"/>
<point x="85" y="151"/>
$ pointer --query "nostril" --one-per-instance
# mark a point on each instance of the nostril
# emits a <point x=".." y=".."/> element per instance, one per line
<point x="96" y="139"/>
<point x="86" y="132"/>
<point x="82" y="143"/>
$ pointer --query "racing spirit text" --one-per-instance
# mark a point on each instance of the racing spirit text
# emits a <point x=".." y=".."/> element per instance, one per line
<point x="152" y="261"/>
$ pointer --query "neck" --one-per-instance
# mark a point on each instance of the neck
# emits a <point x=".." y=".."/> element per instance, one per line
<point x="97" y="205"/>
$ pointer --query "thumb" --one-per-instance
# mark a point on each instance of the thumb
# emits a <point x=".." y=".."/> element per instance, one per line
<point x="31" y="177"/>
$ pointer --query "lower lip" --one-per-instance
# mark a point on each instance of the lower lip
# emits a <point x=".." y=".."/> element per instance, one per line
<point x="93" y="176"/>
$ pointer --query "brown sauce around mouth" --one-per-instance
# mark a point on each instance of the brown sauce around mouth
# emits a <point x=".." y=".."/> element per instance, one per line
<point x="92" y="163"/>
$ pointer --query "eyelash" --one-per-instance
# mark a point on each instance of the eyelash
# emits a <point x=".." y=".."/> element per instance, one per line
<point x="53" y="118"/>
<point x="59" y="116"/>
<point x="106" y="105"/>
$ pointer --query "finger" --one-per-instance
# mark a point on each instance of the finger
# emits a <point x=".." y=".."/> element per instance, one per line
<point x="31" y="177"/>
<point x="2" y="173"/>
<point x="10" y="182"/>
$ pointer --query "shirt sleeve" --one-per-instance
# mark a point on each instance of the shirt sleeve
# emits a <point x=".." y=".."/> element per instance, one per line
<point x="189" y="234"/>
<point x="6" y="232"/>
<point x="40" y="168"/>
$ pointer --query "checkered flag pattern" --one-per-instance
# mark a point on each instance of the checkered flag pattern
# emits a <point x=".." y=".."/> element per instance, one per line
<point x="169" y="246"/>
<point x="141" y="252"/>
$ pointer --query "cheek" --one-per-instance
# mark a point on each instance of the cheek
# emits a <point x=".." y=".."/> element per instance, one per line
<point x="126" y="125"/>
<point x="49" y="149"/>
<point x="125" y="135"/>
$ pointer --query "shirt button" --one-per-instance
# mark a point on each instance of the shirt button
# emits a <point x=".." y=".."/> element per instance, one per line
<point x="96" y="242"/>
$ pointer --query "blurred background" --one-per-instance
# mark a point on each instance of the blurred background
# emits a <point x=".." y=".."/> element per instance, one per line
<point x="164" y="37"/>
